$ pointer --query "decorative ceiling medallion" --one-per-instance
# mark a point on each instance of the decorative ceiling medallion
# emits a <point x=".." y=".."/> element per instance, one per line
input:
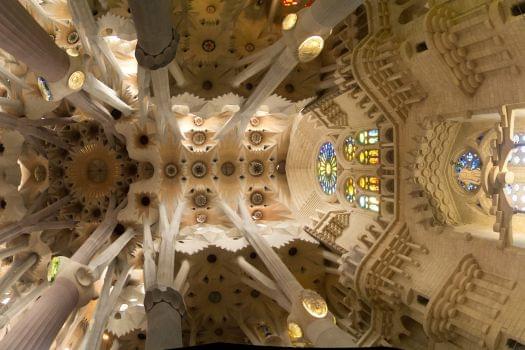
<point x="198" y="121"/>
<point x="199" y="169"/>
<point x="314" y="304"/>
<point x="170" y="170"/>
<point x="257" y="215"/>
<point x="290" y="21"/>
<point x="200" y="200"/>
<point x="199" y="138"/>
<point x="294" y="331"/>
<point x="227" y="168"/>
<point x="208" y="45"/>
<point x="201" y="218"/>
<point x="257" y="198"/>
<point x="93" y="171"/>
<point x="310" y="48"/>
<point x="254" y="121"/>
<point x="76" y="80"/>
<point x="256" y="138"/>
<point x="256" y="168"/>
<point x="73" y="37"/>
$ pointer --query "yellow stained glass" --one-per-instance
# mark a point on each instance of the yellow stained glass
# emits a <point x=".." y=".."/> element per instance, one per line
<point x="350" y="190"/>
<point x="369" y="157"/>
<point x="349" y="148"/>
<point x="370" y="183"/>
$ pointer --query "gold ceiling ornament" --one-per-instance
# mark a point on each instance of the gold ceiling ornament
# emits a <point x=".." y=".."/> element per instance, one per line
<point x="314" y="304"/>
<point x="198" y="121"/>
<point x="93" y="171"/>
<point x="76" y="80"/>
<point x="73" y="52"/>
<point x="295" y="331"/>
<point x="310" y="48"/>
<point x="290" y="21"/>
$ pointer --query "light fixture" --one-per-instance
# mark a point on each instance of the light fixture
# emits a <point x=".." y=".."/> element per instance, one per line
<point x="76" y="80"/>
<point x="290" y="21"/>
<point x="310" y="48"/>
<point x="123" y="307"/>
<point x="105" y="336"/>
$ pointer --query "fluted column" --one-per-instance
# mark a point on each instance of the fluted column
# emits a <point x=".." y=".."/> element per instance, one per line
<point x="157" y="39"/>
<point x="38" y="327"/>
<point x="24" y="39"/>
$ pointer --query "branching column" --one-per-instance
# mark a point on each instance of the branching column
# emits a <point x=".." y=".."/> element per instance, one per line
<point x="309" y="312"/>
<point x="24" y="39"/>
<point x="39" y="326"/>
<point x="163" y="303"/>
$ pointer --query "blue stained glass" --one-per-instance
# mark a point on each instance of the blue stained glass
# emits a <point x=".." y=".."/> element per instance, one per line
<point x="327" y="168"/>
<point x="468" y="171"/>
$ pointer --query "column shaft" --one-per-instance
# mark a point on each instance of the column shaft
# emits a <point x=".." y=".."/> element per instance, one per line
<point x="39" y="326"/>
<point x="24" y="39"/>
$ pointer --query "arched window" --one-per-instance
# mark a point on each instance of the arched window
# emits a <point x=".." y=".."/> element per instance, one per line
<point x="369" y="202"/>
<point x="368" y="137"/>
<point x="370" y="183"/>
<point x="517" y="157"/>
<point x="349" y="148"/>
<point x="350" y="190"/>
<point x="515" y="194"/>
<point x="468" y="171"/>
<point x="369" y="157"/>
<point x="327" y="168"/>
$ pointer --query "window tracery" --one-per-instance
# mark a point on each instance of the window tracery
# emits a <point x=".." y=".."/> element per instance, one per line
<point x="327" y="168"/>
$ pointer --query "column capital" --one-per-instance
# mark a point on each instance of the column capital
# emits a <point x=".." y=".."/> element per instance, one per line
<point x="161" y="294"/>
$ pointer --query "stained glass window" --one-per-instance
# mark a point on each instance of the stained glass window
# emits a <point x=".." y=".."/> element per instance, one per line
<point x="370" y="183"/>
<point x="468" y="171"/>
<point x="349" y="148"/>
<point x="369" y="203"/>
<point x="327" y="168"/>
<point x="515" y="194"/>
<point x="350" y="190"/>
<point x="517" y="157"/>
<point x="368" y="137"/>
<point x="369" y="157"/>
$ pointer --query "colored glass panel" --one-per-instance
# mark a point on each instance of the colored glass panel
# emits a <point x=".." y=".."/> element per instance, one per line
<point x="368" y="137"/>
<point x="370" y="183"/>
<point x="327" y="168"/>
<point x="468" y="171"/>
<point x="350" y="190"/>
<point x="349" y="148"/>
<point x="369" y="202"/>
<point x="369" y="157"/>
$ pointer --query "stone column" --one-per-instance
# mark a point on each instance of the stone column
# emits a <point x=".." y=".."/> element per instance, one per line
<point x="164" y="310"/>
<point x="24" y="39"/>
<point x="38" y="327"/>
<point x="157" y="39"/>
